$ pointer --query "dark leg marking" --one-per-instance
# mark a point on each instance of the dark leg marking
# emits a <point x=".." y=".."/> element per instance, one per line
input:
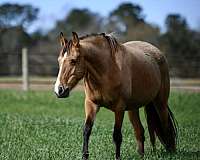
<point x="86" y="134"/>
<point x="117" y="139"/>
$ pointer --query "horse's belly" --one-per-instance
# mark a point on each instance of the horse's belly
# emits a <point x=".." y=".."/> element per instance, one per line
<point x="145" y="90"/>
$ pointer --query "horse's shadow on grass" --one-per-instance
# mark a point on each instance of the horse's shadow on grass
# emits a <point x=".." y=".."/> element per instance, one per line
<point x="180" y="154"/>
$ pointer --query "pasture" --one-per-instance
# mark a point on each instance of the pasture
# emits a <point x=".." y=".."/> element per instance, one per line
<point x="37" y="125"/>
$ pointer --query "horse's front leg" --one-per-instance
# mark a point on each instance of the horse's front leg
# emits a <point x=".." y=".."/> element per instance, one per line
<point x="90" y="113"/>
<point x="117" y="135"/>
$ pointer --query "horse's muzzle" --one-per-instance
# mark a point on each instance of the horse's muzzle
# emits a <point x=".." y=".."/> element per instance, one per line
<point x="62" y="92"/>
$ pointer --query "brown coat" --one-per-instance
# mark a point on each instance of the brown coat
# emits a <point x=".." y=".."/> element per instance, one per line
<point x="119" y="77"/>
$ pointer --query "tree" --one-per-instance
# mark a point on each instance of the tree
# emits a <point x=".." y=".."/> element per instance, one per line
<point x="175" y="22"/>
<point x="177" y="34"/>
<point x="14" y="39"/>
<point x="13" y="15"/>
<point x="128" y="20"/>
<point x="128" y="12"/>
<point x="126" y="16"/>
<point x="181" y="45"/>
<point x="82" y="21"/>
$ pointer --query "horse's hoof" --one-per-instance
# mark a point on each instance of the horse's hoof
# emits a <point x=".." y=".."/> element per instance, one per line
<point x="85" y="156"/>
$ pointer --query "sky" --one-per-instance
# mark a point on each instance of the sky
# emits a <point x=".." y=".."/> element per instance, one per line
<point x="155" y="11"/>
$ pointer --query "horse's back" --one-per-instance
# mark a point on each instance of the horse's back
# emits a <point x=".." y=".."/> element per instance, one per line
<point x="143" y="50"/>
<point x="146" y="61"/>
<point x="145" y="47"/>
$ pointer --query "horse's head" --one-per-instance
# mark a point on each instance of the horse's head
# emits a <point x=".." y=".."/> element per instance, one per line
<point x="71" y="66"/>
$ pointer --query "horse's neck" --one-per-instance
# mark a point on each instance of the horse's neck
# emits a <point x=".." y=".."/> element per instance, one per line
<point x="101" y="68"/>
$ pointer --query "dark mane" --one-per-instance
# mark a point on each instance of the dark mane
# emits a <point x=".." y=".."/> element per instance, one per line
<point x="91" y="35"/>
<point x="112" y="41"/>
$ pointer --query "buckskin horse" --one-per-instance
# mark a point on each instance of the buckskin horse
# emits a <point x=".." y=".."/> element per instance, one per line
<point x="120" y="77"/>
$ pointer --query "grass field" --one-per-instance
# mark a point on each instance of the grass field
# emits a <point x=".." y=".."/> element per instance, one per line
<point x="38" y="126"/>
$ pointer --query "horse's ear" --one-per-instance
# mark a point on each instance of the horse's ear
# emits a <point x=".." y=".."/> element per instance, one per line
<point x="75" y="39"/>
<point x="63" y="40"/>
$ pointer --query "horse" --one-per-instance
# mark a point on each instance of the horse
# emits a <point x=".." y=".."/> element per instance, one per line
<point x="120" y="77"/>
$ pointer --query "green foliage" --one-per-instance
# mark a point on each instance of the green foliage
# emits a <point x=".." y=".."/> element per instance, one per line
<point x="17" y="15"/>
<point x="37" y="125"/>
<point x="13" y="39"/>
<point x="181" y="43"/>
<point x="128" y="13"/>
<point x="175" y="22"/>
<point x="83" y="18"/>
<point x="14" y="20"/>
<point x="79" y="20"/>
<point x="128" y="20"/>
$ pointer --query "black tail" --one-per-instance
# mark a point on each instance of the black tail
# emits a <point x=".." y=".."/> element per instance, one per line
<point x="173" y="128"/>
<point x="167" y="136"/>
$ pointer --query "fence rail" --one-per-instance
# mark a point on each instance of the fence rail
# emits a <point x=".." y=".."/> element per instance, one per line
<point x="47" y="83"/>
<point x="28" y="63"/>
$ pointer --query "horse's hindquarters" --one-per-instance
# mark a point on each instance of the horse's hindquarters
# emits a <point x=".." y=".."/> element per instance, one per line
<point x="143" y="77"/>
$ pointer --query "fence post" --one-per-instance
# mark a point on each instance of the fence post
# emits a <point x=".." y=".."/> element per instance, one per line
<point x="25" y="79"/>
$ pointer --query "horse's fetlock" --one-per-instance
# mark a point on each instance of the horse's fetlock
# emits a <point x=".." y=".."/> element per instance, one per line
<point x="117" y="136"/>
<point x="85" y="155"/>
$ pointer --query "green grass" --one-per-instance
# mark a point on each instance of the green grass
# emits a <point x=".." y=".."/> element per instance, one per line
<point x="37" y="125"/>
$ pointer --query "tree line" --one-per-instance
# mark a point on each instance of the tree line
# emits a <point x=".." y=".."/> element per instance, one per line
<point x="178" y="42"/>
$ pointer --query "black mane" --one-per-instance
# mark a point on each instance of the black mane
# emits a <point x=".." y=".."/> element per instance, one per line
<point x="92" y="35"/>
<point x="112" y="41"/>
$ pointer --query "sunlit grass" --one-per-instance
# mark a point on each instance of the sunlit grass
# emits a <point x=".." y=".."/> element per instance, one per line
<point x="37" y="125"/>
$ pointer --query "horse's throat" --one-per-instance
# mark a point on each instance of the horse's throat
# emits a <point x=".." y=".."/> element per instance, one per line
<point x="93" y="79"/>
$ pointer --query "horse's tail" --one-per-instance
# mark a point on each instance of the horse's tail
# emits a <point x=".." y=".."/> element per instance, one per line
<point x="172" y="130"/>
<point x="167" y="135"/>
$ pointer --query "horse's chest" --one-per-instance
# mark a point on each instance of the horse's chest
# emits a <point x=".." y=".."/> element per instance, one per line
<point x="104" y="98"/>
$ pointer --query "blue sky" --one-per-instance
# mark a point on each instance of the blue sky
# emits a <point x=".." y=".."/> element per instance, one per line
<point x="155" y="11"/>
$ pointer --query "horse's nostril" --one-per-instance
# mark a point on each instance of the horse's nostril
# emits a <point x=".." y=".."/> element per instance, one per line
<point x="60" y="90"/>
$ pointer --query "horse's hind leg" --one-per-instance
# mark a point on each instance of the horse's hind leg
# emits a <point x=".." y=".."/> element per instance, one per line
<point x="139" y="130"/>
<point x="151" y="122"/>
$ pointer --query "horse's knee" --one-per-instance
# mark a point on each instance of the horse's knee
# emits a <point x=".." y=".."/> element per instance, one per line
<point x="87" y="131"/>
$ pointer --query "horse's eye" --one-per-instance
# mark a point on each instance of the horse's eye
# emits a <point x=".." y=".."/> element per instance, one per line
<point x="64" y="50"/>
<point x="73" y="62"/>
